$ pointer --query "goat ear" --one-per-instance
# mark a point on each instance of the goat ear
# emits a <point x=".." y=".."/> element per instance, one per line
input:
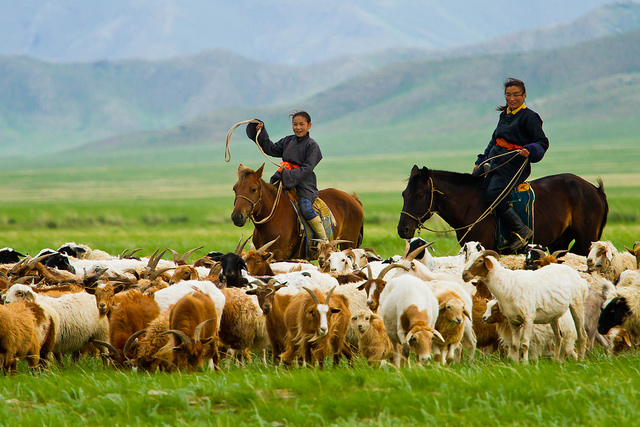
<point x="627" y="339"/>
<point x="206" y="340"/>
<point x="91" y="291"/>
<point x="336" y="310"/>
<point x="560" y="261"/>
<point x="361" y="287"/>
<point x="488" y="263"/>
<point x="466" y="313"/>
<point x="609" y="254"/>
<point x="251" y="292"/>
<point x="409" y="336"/>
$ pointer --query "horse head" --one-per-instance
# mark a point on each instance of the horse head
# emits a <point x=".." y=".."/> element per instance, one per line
<point x="418" y="200"/>
<point x="248" y="191"/>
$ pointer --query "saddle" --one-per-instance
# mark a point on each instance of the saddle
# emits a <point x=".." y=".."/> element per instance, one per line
<point x="305" y="231"/>
<point x="521" y="199"/>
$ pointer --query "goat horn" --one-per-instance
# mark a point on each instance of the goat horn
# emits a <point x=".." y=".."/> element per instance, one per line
<point x="157" y="273"/>
<point x="181" y="335"/>
<point x="313" y="296"/>
<point x="215" y="269"/>
<point x="126" y="254"/>
<point x="389" y="268"/>
<point x="91" y="280"/>
<point x="241" y="245"/>
<point x="130" y="341"/>
<point x="176" y="257"/>
<point x="36" y="260"/>
<point x="560" y="253"/>
<point x="329" y="295"/>
<point x="539" y="252"/>
<point x="14" y="269"/>
<point x="491" y="253"/>
<point x="415" y="252"/>
<point x="187" y="254"/>
<point x="373" y="251"/>
<point x="198" y="330"/>
<point x="263" y="248"/>
<point x="112" y="350"/>
<point x="336" y="242"/>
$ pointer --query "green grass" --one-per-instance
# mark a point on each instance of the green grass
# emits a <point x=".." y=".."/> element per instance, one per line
<point x="599" y="391"/>
<point x="184" y="206"/>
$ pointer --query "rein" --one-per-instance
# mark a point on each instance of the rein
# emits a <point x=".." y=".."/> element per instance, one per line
<point x="254" y="204"/>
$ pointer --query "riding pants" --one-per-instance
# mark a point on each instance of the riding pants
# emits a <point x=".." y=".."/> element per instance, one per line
<point x="306" y="207"/>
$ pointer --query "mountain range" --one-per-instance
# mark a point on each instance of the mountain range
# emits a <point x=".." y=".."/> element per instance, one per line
<point x="588" y="69"/>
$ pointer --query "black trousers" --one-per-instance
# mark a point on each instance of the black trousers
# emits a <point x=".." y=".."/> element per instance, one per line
<point x="496" y="182"/>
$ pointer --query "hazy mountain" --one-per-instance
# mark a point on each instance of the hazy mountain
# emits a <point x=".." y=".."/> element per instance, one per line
<point x="49" y="107"/>
<point x="276" y="31"/>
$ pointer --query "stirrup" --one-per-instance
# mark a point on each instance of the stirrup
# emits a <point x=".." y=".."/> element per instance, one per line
<point x="521" y="242"/>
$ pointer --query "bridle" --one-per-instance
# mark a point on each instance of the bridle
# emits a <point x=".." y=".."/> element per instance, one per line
<point x="254" y="204"/>
<point x="428" y="214"/>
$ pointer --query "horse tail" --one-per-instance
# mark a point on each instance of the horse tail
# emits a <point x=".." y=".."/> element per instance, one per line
<point x="603" y="197"/>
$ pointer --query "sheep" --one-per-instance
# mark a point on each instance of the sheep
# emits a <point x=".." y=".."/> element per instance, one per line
<point x="193" y="324"/>
<point x="18" y="335"/>
<point x="450" y="324"/>
<point x="9" y="256"/>
<point x="528" y="297"/>
<point x="242" y="325"/>
<point x="79" y="319"/>
<point x="542" y="338"/>
<point x="409" y="310"/>
<point x="314" y="328"/>
<point x="622" y="309"/>
<point x="373" y="342"/>
<point x="339" y="263"/>
<point x="604" y="258"/>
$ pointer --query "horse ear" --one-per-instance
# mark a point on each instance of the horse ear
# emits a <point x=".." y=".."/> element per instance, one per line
<point x="415" y="170"/>
<point x="259" y="171"/>
<point x="425" y="173"/>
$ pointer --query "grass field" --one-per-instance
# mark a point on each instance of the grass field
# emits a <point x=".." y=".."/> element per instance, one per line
<point x="184" y="206"/>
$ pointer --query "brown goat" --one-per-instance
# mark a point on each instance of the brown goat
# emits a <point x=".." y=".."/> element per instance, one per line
<point x="373" y="342"/>
<point x="450" y="324"/>
<point x="131" y="312"/>
<point x="18" y="335"/>
<point x="193" y="324"/>
<point x="273" y="307"/>
<point x="635" y="252"/>
<point x="314" y="329"/>
<point x="152" y="340"/>
<point x="486" y="333"/>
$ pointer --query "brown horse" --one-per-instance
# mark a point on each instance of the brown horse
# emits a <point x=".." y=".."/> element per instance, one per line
<point x="567" y="208"/>
<point x="255" y="200"/>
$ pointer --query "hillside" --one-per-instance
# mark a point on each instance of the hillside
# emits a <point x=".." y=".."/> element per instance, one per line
<point x="583" y="92"/>
<point x="48" y="108"/>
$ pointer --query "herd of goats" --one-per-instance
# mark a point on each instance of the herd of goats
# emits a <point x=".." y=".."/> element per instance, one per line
<point x="153" y="314"/>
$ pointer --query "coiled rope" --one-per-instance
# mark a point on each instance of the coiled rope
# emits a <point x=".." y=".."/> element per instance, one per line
<point x="227" y="150"/>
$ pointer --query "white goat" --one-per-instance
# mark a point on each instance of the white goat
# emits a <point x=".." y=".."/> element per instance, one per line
<point x="605" y="259"/>
<point x="169" y="296"/>
<point x="527" y="297"/>
<point x="409" y="310"/>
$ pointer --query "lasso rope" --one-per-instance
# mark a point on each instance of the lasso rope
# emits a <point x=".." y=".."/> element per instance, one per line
<point x="227" y="150"/>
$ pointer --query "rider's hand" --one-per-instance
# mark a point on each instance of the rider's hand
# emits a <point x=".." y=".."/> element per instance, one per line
<point x="475" y="168"/>
<point x="524" y="152"/>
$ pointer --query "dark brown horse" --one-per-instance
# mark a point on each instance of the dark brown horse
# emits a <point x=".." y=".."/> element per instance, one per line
<point x="567" y="208"/>
<point x="255" y="200"/>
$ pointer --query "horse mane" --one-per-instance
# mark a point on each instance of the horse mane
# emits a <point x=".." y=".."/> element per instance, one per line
<point x="455" y="178"/>
<point x="244" y="172"/>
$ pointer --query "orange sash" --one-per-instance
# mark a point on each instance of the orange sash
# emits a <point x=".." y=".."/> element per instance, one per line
<point x="287" y="165"/>
<point x="502" y="143"/>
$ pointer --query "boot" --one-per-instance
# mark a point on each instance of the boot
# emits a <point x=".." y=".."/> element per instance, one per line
<point x="520" y="233"/>
<point x="317" y="227"/>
